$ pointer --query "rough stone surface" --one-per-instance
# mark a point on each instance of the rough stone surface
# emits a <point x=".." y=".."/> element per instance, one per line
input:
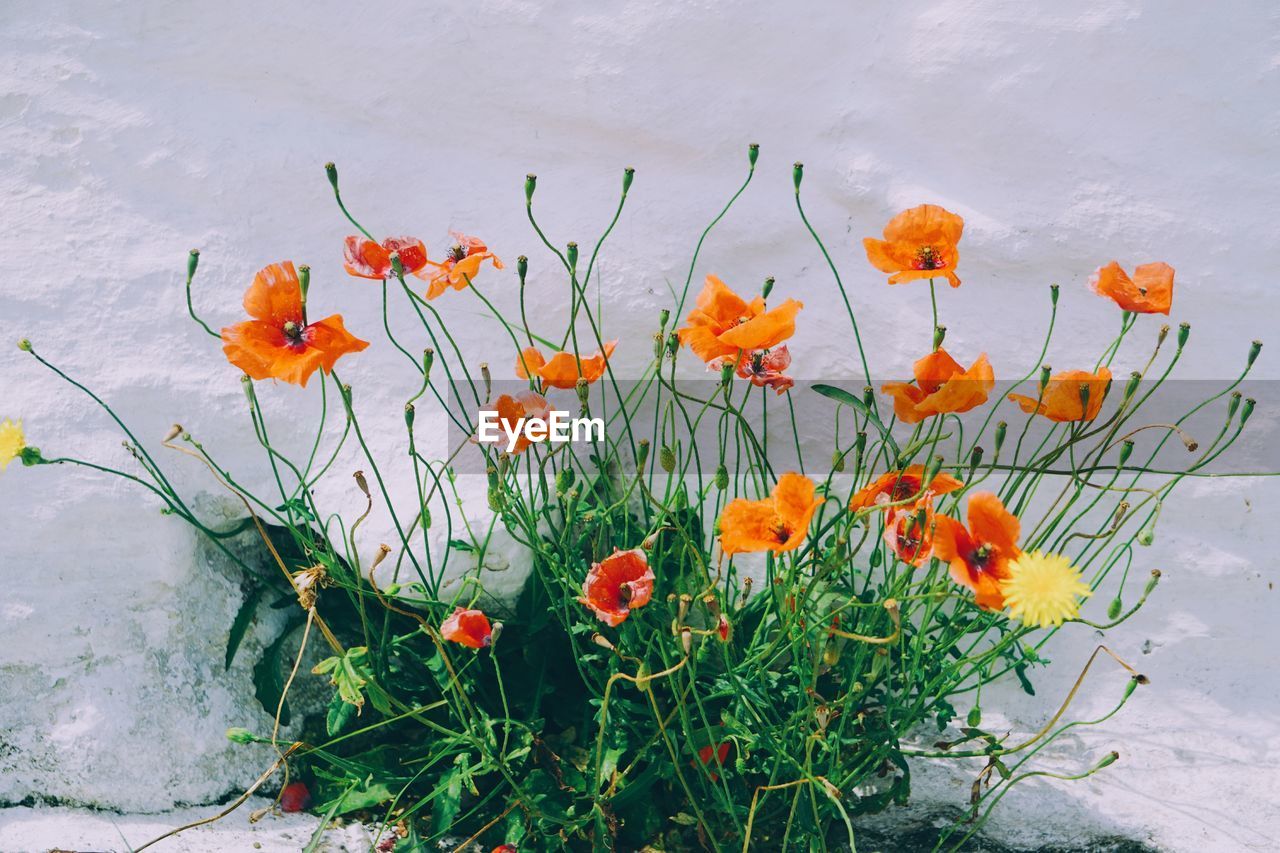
<point x="1066" y="134"/>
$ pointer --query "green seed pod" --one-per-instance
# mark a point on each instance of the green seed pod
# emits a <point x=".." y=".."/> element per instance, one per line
<point x="24" y="344"/>
<point x="1109" y="759"/>
<point x="1126" y="450"/>
<point x="1132" y="385"/>
<point x="975" y="459"/>
<point x="331" y="172"/>
<point x="1001" y="429"/>
<point x="1153" y="582"/>
<point x="753" y="153"/>
<point x="530" y="184"/>
<point x="571" y="252"/>
<point x="1184" y="332"/>
<point x="409" y="414"/>
<point x="236" y="734"/>
<point x="869" y="397"/>
<point x="1045" y="372"/>
<point x="1114" y="608"/>
<point x="663" y="317"/>
<point x="722" y="478"/>
<point x="627" y="175"/>
<point x="974" y="719"/>
<point x="673" y="344"/>
<point x="1147" y="534"/>
<point x="1053" y="294"/>
<point x="931" y="470"/>
<point x="1254" y="349"/>
<point x="797" y="175"/>
<point x="522" y="268"/>
<point x="768" y="287"/>
<point x="193" y="261"/>
<point x="1246" y="410"/>
<point x="564" y="481"/>
<point x="837" y="462"/>
<point x="1233" y="403"/>
<point x="875" y="558"/>
<point x="428" y="359"/>
<point x="939" y="335"/>
<point x="583" y="389"/>
<point x="667" y="458"/>
<point x="642" y="454"/>
<point x="726" y="374"/>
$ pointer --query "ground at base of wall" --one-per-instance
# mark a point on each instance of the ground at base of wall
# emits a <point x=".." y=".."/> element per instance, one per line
<point x="46" y="829"/>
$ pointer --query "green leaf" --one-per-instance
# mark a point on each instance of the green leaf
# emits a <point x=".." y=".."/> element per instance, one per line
<point x="843" y="397"/>
<point x="298" y="507"/>
<point x="1021" y="671"/>
<point x="268" y="678"/>
<point x="244" y="616"/>
<point x="339" y="715"/>
<point x="448" y="801"/>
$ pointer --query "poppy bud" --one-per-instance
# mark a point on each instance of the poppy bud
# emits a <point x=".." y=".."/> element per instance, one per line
<point x="860" y="443"/>
<point x="428" y="359"/>
<point x="768" y="287"/>
<point x="931" y="470"/>
<point x="193" y="261"/>
<point x="1254" y="349"/>
<point x="602" y="641"/>
<point x="682" y="610"/>
<point x="1246" y="410"/>
<point x="409" y="414"/>
<point x="667" y="459"/>
<point x="494" y="633"/>
<point x="1045" y="371"/>
<point x="753" y="152"/>
<point x="331" y="172"/>
<point x="1184" y="332"/>
<point x="627" y="175"/>
<point x="1147" y="534"/>
<point x="869" y="397"/>
<point x="1113" y="609"/>
<point x="530" y="184"/>
<point x="837" y="462"/>
<point x="1153" y="582"/>
<point x="797" y="175"/>
<point x="939" y="335"/>
<point x="686" y="641"/>
<point x="174" y="432"/>
<point x="673" y="344"/>
<point x="724" y="629"/>
<point x="235" y="734"/>
<point x="24" y="344"/>
<point x="1232" y="404"/>
<point x="1126" y="449"/>
<point x="488" y="379"/>
<point x="975" y="459"/>
<point x="875" y="558"/>
<point x="663" y="316"/>
<point x="726" y="374"/>
<point x="246" y="383"/>
<point x="642" y="677"/>
<point x="1107" y="760"/>
<point x="722" y="478"/>
<point x="1001" y="428"/>
<point x="571" y="252"/>
<point x="361" y="483"/>
<point x="975" y="717"/>
<point x="1053" y="294"/>
<point x="642" y="454"/>
<point x="1132" y="385"/>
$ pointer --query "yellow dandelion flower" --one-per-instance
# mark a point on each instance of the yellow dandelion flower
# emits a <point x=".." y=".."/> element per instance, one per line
<point x="12" y="441"/>
<point x="1043" y="589"/>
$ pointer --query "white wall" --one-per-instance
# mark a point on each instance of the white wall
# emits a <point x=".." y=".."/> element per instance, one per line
<point x="1066" y="134"/>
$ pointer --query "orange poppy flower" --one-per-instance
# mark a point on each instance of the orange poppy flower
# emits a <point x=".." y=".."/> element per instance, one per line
<point x="367" y="259"/>
<point x="980" y="554"/>
<point x="1061" y="398"/>
<point x="1150" y="291"/>
<point x="721" y="753"/>
<point x="908" y="531"/>
<point x="469" y="628"/>
<point x="723" y="324"/>
<point x="513" y="411"/>
<point x="618" y="584"/>
<point x="897" y="486"/>
<point x="777" y="523"/>
<point x="942" y="386"/>
<point x="763" y="368"/>
<point x="461" y="265"/>
<point x="918" y="243"/>
<point x="279" y="343"/>
<point x="562" y="370"/>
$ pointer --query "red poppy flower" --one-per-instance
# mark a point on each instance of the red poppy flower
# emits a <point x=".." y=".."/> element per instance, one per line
<point x="469" y="628"/>
<point x="942" y="386"/>
<point x="897" y="486"/>
<point x="908" y="531"/>
<point x="777" y="523"/>
<point x="980" y="554"/>
<point x="562" y="370"/>
<point x="513" y="410"/>
<point x="918" y="243"/>
<point x="460" y="266"/>
<point x="279" y="343"/>
<point x="1061" y="400"/>
<point x="505" y="848"/>
<point x="367" y="259"/>
<point x="763" y="367"/>
<point x="720" y="753"/>
<point x="725" y="325"/>
<point x="1150" y="291"/>
<point x="295" y="797"/>
<point x="618" y="584"/>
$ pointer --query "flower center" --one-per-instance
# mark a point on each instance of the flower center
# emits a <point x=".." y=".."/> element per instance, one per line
<point x="457" y="252"/>
<point x="905" y="488"/>
<point x="293" y="333"/>
<point x="928" y="258"/>
<point x="781" y="532"/>
<point x="981" y="556"/>
<point x="624" y="595"/>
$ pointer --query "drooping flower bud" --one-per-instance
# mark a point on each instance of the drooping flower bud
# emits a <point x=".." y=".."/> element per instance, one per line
<point x="564" y="480"/>
<point x="1114" y="608"/>
<point x="974" y="718"/>
<point x="642" y="677"/>
<point x="931" y="470"/>
<point x="667" y="458"/>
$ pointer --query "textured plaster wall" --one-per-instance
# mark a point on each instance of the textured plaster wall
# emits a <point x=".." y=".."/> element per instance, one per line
<point x="1066" y="134"/>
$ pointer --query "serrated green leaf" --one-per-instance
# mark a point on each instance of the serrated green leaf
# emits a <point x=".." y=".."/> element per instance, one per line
<point x="244" y="617"/>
